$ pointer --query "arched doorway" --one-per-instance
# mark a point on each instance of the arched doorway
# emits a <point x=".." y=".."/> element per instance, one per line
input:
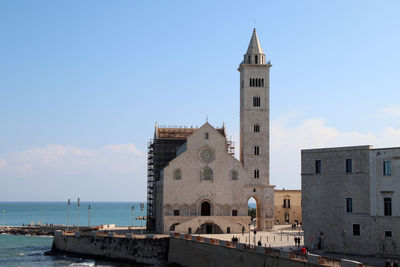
<point x="254" y="211"/>
<point x="205" y="209"/>
<point x="209" y="228"/>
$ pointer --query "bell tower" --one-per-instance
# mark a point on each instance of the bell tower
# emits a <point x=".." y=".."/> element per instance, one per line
<point x="254" y="113"/>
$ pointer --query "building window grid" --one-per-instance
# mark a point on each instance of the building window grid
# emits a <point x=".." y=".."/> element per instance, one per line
<point x="256" y="82"/>
<point x="388" y="234"/>
<point x="256" y="101"/>
<point x="387" y="168"/>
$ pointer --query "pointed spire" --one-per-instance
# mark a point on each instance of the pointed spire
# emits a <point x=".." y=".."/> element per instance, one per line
<point x="254" y="46"/>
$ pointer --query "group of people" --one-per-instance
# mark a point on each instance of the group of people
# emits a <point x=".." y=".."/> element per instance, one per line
<point x="297" y="241"/>
<point x="391" y="263"/>
<point x="235" y="240"/>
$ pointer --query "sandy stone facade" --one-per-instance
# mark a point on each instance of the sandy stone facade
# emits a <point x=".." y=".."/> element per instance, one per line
<point x="205" y="189"/>
<point x="287" y="206"/>
<point x="350" y="199"/>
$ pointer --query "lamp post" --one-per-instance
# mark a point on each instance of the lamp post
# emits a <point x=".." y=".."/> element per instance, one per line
<point x="69" y="205"/>
<point x="133" y="212"/>
<point x="249" y="234"/>
<point x="77" y="214"/>
<point x="89" y="215"/>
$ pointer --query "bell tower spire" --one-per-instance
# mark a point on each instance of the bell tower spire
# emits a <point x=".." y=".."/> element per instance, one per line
<point x="255" y="55"/>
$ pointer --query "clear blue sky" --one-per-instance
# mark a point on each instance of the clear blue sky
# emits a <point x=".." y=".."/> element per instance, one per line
<point x="83" y="82"/>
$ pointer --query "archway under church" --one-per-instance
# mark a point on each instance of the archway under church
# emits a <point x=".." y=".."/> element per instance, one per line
<point x="209" y="228"/>
<point x="254" y="211"/>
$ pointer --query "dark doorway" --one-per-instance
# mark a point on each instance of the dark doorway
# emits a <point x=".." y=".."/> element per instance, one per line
<point x="205" y="209"/>
<point x="209" y="228"/>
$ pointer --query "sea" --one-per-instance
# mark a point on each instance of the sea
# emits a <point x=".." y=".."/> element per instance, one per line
<point x="29" y="250"/>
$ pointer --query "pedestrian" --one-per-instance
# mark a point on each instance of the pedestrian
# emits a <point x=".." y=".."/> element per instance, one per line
<point x="259" y="243"/>
<point x="395" y="263"/>
<point x="298" y="241"/>
<point x="242" y="230"/>
<point x="387" y="263"/>
<point x="295" y="241"/>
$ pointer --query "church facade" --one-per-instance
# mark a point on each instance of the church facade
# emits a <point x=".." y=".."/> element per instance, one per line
<point x="196" y="185"/>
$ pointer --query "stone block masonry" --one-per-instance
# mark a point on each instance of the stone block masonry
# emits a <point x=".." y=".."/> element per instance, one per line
<point x="131" y="250"/>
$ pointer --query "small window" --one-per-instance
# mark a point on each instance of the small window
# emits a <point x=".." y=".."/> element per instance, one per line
<point x="250" y="83"/>
<point x="387" y="168"/>
<point x="189" y="230"/>
<point x="206" y="135"/>
<point x="207" y="174"/>
<point x="234" y="212"/>
<point x="177" y="174"/>
<point x="349" y="204"/>
<point x="256" y="101"/>
<point x="256" y="150"/>
<point x="387" y="205"/>
<point x="176" y="212"/>
<point x="349" y="165"/>
<point x="388" y="234"/>
<point x="356" y="229"/>
<point x="256" y="59"/>
<point x="256" y="174"/>
<point x="256" y="128"/>
<point x="318" y="166"/>
<point x="262" y="82"/>
<point x="228" y="230"/>
<point x="286" y="203"/>
<point x="234" y="175"/>
<point x="249" y="59"/>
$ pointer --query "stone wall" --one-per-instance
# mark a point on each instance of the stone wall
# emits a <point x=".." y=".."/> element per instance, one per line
<point x="294" y="210"/>
<point x="196" y="254"/>
<point x="146" y="251"/>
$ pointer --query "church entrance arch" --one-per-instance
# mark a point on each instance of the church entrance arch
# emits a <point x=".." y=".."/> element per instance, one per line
<point x="254" y="210"/>
<point x="205" y="209"/>
<point x="209" y="228"/>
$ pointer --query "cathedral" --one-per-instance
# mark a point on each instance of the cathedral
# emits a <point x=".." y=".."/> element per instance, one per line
<point x="196" y="185"/>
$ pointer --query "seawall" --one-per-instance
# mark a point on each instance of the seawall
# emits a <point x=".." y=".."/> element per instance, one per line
<point x="183" y="250"/>
<point x="110" y="246"/>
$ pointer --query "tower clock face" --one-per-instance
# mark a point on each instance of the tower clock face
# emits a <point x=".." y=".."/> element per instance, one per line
<point x="207" y="155"/>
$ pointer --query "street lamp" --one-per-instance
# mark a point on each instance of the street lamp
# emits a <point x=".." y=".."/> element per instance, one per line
<point x="69" y="205"/>
<point x="89" y="215"/>
<point x="77" y="214"/>
<point x="249" y="234"/>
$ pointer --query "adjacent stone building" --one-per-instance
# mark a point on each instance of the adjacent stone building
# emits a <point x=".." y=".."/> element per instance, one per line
<point x="200" y="186"/>
<point x="287" y="209"/>
<point x="350" y="199"/>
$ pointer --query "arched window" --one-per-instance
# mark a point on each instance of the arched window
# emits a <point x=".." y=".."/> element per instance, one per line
<point x="256" y="150"/>
<point x="262" y="82"/>
<point x="256" y="59"/>
<point x="250" y="83"/>
<point x="206" y="135"/>
<point x="228" y="230"/>
<point x="189" y="230"/>
<point x="256" y="82"/>
<point x="234" y="175"/>
<point x="177" y="174"/>
<point x="207" y="174"/>
<point x="249" y="59"/>
<point x="256" y="128"/>
<point x="256" y="174"/>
